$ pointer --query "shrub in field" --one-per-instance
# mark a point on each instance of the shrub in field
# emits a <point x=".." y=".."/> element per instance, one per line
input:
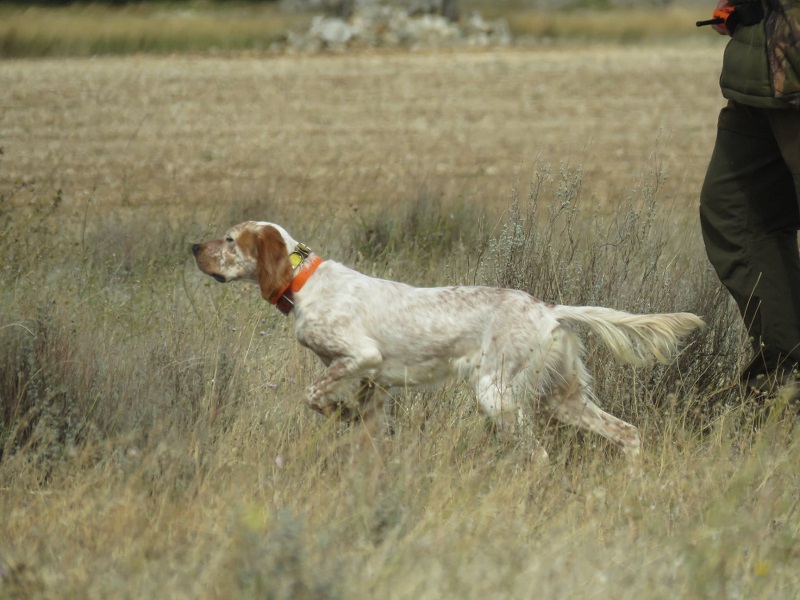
<point x="94" y="342"/>
<point x="630" y="259"/>
<point x="421" y="234"/>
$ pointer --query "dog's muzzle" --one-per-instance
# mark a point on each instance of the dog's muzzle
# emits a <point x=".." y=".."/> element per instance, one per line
<point x="195" y="251"/>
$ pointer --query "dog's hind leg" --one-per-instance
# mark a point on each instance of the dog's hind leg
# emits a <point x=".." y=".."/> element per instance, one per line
<point x="573" y="406"/>
<point x="498" y="403"/>
<point x="570" y="399"/>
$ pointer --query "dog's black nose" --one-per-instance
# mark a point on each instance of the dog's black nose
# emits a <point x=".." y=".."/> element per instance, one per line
<point x="195" y="248"/>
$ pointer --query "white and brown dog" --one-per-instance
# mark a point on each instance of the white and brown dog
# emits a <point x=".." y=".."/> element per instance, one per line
<point x="506" y="343"/>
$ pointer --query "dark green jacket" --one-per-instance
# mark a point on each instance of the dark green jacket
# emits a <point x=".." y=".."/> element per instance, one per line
<point x="761" y="65"/>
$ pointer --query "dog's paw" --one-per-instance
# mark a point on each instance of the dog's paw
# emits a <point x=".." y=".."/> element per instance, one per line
<point x="349" y="414"/>
<point x="323" y="408"/>
<point x="338" y="410"/>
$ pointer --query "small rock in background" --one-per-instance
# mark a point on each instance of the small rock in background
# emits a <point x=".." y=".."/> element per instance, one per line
<point x="372" y="25"/>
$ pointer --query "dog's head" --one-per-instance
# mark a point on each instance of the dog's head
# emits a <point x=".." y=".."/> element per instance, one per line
<point x="251" y="251"/>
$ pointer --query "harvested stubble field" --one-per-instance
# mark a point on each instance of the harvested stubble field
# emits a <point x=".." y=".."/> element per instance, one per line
<point x="154" y="441"/>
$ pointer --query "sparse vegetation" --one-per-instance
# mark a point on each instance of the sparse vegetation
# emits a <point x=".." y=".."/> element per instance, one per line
<point x="153" y="441"/>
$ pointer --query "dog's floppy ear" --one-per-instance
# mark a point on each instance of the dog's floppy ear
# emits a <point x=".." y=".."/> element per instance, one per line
<point x="273" y="269"/>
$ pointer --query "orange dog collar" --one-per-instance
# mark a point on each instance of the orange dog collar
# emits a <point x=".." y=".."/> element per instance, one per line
<point x="284" y="299"/>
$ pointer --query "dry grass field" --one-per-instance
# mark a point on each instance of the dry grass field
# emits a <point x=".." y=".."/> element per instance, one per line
<point x="153" y="438"/>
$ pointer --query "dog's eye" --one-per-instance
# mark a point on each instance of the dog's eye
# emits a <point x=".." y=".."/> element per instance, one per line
<point x="229" y="239"/>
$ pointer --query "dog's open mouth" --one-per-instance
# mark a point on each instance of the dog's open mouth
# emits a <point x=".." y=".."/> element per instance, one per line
<point x="219" y="278"/>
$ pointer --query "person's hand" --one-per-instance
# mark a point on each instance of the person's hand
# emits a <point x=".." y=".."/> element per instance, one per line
<point x="721" y="29"/>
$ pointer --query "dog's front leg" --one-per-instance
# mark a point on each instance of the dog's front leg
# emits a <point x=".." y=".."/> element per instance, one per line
<point x="365" y="405"/>
<point x="321" y="395"/>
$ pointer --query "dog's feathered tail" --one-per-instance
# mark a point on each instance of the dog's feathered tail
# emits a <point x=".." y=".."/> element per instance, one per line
<point x="634" y="339"/>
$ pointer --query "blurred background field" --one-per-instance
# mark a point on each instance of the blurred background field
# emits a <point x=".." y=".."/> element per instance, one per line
<point x="153" y="438"/>
<point x="60" y="28"/>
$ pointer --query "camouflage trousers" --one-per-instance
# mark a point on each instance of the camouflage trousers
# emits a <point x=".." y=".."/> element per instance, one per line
<point x="750" y="216"/>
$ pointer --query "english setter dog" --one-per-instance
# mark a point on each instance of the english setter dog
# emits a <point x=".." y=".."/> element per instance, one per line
<point x="374" y="332"/>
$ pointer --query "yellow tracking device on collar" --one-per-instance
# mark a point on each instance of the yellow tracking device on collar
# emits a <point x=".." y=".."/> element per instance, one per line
<point x="300" y="253"/>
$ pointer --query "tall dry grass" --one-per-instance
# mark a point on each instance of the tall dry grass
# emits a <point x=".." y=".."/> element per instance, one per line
<point x="154" y="442"/>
